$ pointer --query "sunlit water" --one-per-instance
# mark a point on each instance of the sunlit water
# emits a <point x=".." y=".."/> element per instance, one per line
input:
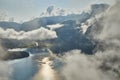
<point x="46" y="72"/>
<point x="30" y="69"/>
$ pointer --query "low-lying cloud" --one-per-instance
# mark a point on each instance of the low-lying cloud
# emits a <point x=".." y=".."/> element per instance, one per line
<point x="111" y="24"/>
<point x="103" y="65"/>
<point x="5" y="69"/>
<point x="83" y="67"/>
<point x="39" y="34"/>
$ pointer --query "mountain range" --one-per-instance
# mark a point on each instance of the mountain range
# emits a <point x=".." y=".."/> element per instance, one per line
<point x="72" y="29"/>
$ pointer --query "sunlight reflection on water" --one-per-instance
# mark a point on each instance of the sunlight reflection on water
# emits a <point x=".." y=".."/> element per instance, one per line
<point x="46" y="72"/>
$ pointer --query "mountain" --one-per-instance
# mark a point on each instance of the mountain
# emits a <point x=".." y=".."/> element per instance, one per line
<point x="54" y="11"/>
<point x="73" y="32"/>
<point x="54" y="15"/>
<point x="98" y="8"/>
<point x="14" y="25"/>
<point x="70" y="37"/>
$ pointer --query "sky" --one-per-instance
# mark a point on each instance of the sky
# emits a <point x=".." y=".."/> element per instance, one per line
<point x="23" y="10"/>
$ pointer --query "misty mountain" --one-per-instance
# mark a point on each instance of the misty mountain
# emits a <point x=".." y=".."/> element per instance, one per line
<point x="54" y="15"/>
<point x="14" y="25"/>
<point x="74" y="31"/>
<point x="70" y="37"/>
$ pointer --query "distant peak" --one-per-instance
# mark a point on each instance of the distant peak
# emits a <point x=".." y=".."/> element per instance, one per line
<point x="50" y="9"/>
<point x="56" y="11"/>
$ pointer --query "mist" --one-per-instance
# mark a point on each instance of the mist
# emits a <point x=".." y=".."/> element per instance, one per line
<point x="111" y="24"/>
<point x="103" y="65"/>
<point x="83" y="67"/>
<point x="5" y="68"/>
<point x="75" y="64"/>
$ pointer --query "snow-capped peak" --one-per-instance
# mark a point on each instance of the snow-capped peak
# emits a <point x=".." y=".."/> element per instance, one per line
<point x="54" y="11"/>
<point x="50" y="9"/>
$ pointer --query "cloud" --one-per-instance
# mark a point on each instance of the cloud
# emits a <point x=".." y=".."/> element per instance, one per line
<point x="5" y="68"/>
<point x="83" y="67"/>
<point x="55" y="26"/>
<point x="38" y="34"/>
<point x="5" y="71"/>
<point x="111" y="22"/>
<point x="103" y="65"/>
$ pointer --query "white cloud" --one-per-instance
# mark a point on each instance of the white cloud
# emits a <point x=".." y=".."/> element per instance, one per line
<point x="5" y="68"/>
<point x="39" y="34"/>
<point x="5" y="71"/>
<point x="83" y="67"/>
<point x="111" y="22"/>
<point x="55" y="26"/>
<point x="102" y="65"/>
